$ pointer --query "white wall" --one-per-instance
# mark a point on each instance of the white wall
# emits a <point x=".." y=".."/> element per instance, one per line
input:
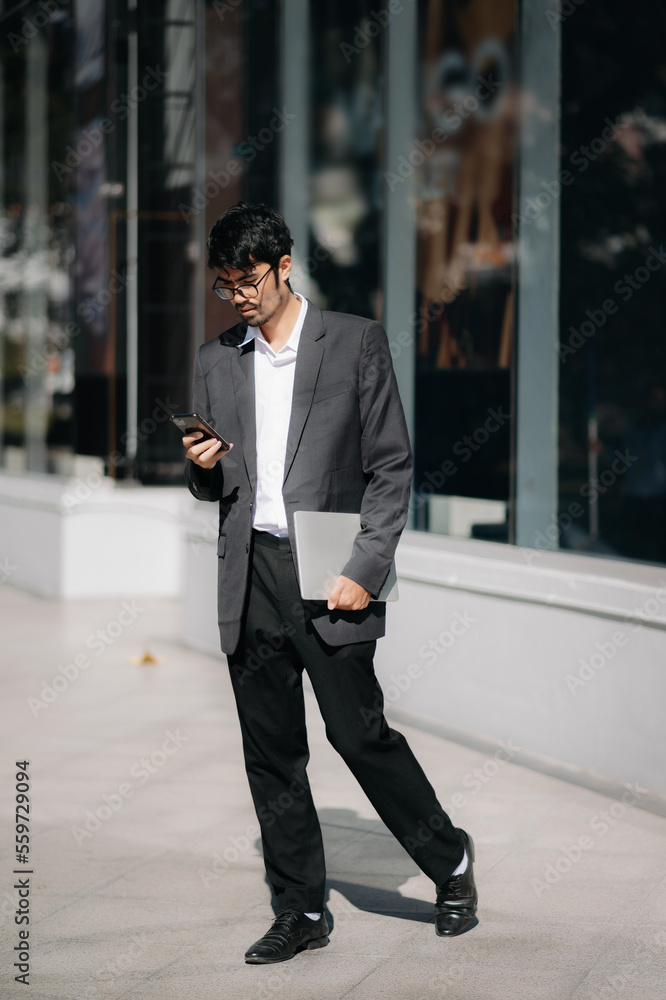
<point x="563" y="655"/>
<point x="87" y="537"/>
<point x="199" y="531"/>
<point x="527" y="621"/>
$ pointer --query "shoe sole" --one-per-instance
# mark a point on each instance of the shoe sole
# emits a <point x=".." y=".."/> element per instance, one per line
<point x="317" y="943"/>
<point x="461" y="930"/>
<point x="308" y="946"/>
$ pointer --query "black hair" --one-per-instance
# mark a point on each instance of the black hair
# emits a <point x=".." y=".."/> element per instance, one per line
<point x="246" y="234"/>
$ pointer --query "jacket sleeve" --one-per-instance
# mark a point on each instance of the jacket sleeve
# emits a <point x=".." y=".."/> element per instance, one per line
<point x="204" y="484"/>
<point x="387" y="464"/>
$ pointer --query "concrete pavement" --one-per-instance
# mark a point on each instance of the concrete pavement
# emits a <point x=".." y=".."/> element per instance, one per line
<point x="148" y="878"/>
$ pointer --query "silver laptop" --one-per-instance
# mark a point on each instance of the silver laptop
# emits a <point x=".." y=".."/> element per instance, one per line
<point x="324" y="542"/>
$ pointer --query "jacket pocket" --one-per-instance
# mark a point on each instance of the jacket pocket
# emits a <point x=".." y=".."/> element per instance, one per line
<point x="332" y="389"/>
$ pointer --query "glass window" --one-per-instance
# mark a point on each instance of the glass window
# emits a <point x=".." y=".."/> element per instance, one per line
<point x="346" y="158"/>
<point x="166" y="169"/>
<point x="100" y="308"/>
<point x="242" y="100"/>
<point x="465" y="177"/>
<point x="37" y="326"/>
<point x="612" y="451"/>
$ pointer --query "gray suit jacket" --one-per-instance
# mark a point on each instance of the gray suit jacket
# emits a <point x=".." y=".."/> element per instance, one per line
<point x="347" y="450"/>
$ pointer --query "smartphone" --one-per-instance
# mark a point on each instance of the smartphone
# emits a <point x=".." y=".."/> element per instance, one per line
<point x="188" y="423"/>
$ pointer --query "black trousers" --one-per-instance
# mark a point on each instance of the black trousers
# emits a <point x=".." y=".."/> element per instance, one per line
<point x="277" y="643"/>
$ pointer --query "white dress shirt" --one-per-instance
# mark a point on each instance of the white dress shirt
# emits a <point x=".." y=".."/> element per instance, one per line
<point x="273" y="390"/>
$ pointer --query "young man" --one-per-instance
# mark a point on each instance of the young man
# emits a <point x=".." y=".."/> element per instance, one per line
<point x="309" y="400"/>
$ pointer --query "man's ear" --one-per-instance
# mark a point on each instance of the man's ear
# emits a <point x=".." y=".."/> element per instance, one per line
<point x="284" y="269"/>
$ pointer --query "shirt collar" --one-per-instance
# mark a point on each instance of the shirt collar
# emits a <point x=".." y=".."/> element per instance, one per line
<point x="294" y="337"/>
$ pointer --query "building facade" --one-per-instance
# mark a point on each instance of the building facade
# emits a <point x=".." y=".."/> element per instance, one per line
<point x="485" y="178"/>
<point x="463" y="172"/>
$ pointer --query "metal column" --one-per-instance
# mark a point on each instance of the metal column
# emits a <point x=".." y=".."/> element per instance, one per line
<point x="35" y="275"/>
<point x="400" y="232"/>
<point x="538" y="281"/>
<point x="294" y="162"/>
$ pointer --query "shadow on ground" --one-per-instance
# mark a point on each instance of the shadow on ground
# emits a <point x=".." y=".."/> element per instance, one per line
<point x="367" y="866"/>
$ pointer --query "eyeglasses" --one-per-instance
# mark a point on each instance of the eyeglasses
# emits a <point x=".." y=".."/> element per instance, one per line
<point x="245" y="291"/>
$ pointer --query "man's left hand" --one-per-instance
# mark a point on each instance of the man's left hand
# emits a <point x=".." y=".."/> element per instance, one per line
<point x="348" y="596"/>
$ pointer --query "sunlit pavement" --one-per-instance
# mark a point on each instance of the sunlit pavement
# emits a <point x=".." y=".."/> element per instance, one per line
<point x="147" y="874"/>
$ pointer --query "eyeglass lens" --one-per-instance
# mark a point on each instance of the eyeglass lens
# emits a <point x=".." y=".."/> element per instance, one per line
<point x="245" y="291"/>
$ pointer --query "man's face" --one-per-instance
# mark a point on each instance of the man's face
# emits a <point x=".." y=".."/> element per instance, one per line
<point x="258" y="305"/>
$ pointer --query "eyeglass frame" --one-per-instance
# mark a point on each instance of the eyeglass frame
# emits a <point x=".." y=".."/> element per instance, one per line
<point x="244" y="284"/>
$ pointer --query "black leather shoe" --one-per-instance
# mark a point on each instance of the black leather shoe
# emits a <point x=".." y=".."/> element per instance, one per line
<point x="457" y="897"/>
<point x="290" y="932"/>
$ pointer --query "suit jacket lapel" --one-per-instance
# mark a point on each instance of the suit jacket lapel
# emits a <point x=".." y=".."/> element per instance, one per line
<point x="243" y="377"/>
<point x="308" y="363"/>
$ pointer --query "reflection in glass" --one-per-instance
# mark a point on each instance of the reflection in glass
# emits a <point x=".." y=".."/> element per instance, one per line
<point x="613" y="283"/>
<point x="37" y="248"/>
<point x="464" y="165"/>
<point x="344" y="207"/>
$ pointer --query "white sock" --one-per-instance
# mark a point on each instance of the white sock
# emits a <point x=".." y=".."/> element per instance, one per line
<point x="313" y="916"/>
<point x="461" y="867"/>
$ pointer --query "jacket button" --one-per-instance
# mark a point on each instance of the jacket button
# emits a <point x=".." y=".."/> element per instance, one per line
<point x="247" y="547"/>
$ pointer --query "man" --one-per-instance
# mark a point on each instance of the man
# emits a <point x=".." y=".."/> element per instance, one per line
<point x="310" y="402"/>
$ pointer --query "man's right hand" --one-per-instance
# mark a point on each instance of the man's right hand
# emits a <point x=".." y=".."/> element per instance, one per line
<point x="204" y="453"/>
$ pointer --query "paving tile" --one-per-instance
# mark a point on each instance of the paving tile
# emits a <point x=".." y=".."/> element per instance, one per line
<point x="162" y="899"/>
<point x="633" y="966"/>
